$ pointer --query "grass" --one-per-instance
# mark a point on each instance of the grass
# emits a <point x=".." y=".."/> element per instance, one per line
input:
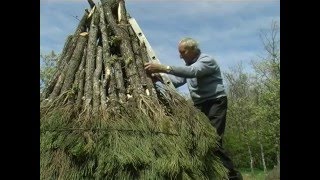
<point x="257" y="174"/>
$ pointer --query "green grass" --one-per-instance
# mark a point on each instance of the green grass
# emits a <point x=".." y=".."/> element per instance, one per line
<point x="257" y="174"/>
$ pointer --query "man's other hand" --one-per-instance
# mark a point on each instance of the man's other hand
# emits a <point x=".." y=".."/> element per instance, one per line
<point x="155" y="68"/>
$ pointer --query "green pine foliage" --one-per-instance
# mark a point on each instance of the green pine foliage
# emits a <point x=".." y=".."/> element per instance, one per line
<point x="129" y="142"/>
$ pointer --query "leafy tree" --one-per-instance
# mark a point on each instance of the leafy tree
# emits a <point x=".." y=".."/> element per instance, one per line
<point x="268" y="88"/>
<point x="254" y="107"/>
<point x="48" y="66"/>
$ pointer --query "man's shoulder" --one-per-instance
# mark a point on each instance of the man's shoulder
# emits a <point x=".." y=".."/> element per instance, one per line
<point x="206" y="58"/>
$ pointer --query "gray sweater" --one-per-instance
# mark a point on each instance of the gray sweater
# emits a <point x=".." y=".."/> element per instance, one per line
<point x="203" y="78"/>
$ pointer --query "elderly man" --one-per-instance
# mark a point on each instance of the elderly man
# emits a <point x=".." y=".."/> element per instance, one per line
<point x="203" y="77"/>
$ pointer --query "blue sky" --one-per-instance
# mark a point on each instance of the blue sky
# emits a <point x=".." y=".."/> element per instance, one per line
<point x="226" y="29"/>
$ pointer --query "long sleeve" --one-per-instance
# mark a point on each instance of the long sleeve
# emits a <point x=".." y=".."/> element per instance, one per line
<point x="177" y="81"/>
<point x="204" y="66"/>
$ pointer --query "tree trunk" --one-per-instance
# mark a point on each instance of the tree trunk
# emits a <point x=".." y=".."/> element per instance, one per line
<point x="145" y="59"/>
<point x="278" y="158"/>
<point x="78" y="82"/>
<point x="74" y="63"/>
<point x="251" y="158"/>
<point x="120" y="90"/>
<point x="262" y="157"/>
<point x="105" y="78"/>
<point x="81" y="80"/>
<point x="90" y="62"/>
<point x="143" y="86"/>
<point x="96" y="81"/>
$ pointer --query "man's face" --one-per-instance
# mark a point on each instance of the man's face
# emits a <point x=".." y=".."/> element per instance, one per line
<point x="185" y="54"/>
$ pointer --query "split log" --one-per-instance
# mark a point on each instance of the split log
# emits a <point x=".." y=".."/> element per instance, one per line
<point x="90" y="60"/>
<point x="106" y="58"/>
<point x="96" y="81"/>
<point x="145" y="59"/>
<point x="81" y="80"/>
<point x="121" y="90"/>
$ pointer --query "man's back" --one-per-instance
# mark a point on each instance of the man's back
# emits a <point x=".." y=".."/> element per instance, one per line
<point x="203" y="78"/>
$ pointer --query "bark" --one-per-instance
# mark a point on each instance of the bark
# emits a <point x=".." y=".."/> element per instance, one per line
<point x="81" y="27"/>
<point x="91" y="53"/>
<point x="106" y="59"/>
<point x="142" y="86"/>
<point x="74" y="63"/>
<point x="262" y="157"/>
<point x="96" y="80"/>
<point x="113" y="4"/>
<point x="81" y="80"/>
<point x="78" y="80"/>
<point x="145" y="59"/>
<point x="57" y="88"/>
<point x="251" y="158"/>
<point x="120" y="88"/>
<point x="125" y="47"/>
<point x="112" y="88"/>
<point x="103" y="95"/>
<point x="278" y="158"/>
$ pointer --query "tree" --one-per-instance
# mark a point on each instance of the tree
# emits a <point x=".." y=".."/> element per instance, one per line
<point x="48" y="66"/>
<point x="254" y="105"/>
<point x="268" y="89"/>
<point x="241" y="120"/>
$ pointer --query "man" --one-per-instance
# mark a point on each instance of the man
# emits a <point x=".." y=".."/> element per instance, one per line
<point x="203" y="77"/>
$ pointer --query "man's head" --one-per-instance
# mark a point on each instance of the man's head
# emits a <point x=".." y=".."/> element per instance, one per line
<point x="188" y="49"/>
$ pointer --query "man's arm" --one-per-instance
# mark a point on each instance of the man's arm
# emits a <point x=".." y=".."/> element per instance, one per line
<point x="202" y="67"/>
<point x="177" y="81"/>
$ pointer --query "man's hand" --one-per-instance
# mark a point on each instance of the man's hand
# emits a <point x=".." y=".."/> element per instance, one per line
<point x="155" y="68"/>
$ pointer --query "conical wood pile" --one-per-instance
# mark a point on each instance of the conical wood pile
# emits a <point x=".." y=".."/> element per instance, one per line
<point x="102" y="118"/>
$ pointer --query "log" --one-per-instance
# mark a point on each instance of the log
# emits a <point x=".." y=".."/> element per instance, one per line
<point x="81" y="80"/>
<point x="120" y="87"/>
<point x="90" y="60"/>
<point x="145" y="59"/>
<point x="96" y="80"/>
<point x="106" y="58"/>
<point x="112" y="88"/>
<point x="78" y="79"/>
<point x="74" y="63"/>
<point x="143" y="87"/>
<point x="80" y="28"/>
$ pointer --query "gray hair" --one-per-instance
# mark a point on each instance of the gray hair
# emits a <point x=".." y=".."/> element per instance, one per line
<point x="190" y="44"/>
